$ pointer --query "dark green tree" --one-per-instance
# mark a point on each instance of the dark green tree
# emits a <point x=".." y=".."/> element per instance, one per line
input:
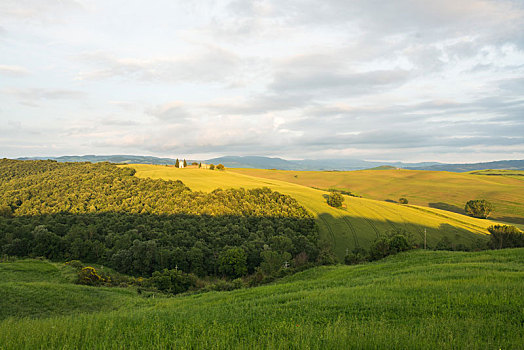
<point x="403" y="200"/>
<point x="177" y="163"/>
<point x="505" y="236"/>
<point x="335" y="200"/>
<point x="185" y="163"/>
<point x="232" y="262"/>
<point x="479" y="208"/>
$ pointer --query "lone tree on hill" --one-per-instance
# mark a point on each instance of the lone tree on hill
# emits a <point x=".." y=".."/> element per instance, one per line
<point x="335" y="199"/>
<point x="403" y="200"/>
<point x="479" y="208"/>
<point x="177" y="163"/>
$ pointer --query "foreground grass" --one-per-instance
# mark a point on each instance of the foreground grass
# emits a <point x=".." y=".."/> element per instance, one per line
<point x="33" y="288"/>
<point x="417" y="299"/>
<point x="355" y="226"/>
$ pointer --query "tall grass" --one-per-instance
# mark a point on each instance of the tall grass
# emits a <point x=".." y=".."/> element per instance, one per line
<point x="416" y="299"/>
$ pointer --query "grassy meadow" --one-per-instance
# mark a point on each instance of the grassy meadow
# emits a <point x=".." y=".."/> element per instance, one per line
<point x="435" y="189"/>
<point x="34" y="288"/>
<point x="357" y="225"/>
<point x="418" y="299"/>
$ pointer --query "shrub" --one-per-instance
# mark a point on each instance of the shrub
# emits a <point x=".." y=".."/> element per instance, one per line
<point x="392" y="242"/>
<point x="171" y="281"/>
<point x="479" y="208"/>
<point x="505" y="236"/>
<point x="357" y="256"/>
<point x="326" y="257"/>
<point x="335" y="200"/>
<point x="89" y="276"/>
<point x="403" y="200"/>
<point x="220" y="167"/>
<point x="211" y="166"/>
<point x="6" y="211"/>
<point x="444" y="244"/>
<point x="232" y="262"/>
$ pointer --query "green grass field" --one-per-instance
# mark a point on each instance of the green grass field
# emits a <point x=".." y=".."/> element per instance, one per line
<point x="417" y="299"/>
<point x="32" y="288"/>
<point x="434" y="189"/>
<point x="357" y="225"/>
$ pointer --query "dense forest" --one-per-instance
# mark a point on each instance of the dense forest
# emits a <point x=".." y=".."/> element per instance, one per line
<point x="101" y="213"/>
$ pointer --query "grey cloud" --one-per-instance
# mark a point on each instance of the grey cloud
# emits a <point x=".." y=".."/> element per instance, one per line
<point x="346" y="83"/>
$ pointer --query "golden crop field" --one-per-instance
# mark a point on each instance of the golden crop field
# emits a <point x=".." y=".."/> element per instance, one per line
<point x="356" y="225"/>
<point x="435" y="189"/>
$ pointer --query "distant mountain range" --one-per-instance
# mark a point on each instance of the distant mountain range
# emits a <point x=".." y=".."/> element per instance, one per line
<point x="283" y="164"/>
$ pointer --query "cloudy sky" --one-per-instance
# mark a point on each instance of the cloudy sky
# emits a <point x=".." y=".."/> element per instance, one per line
<point x="378" y="80"/>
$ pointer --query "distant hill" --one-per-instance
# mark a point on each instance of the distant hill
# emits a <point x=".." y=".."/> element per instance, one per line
<point x="384" y="167"/>
<point x="259" y="162"/>
<point x="126" y="159"/>
<point x="461" y="168"/>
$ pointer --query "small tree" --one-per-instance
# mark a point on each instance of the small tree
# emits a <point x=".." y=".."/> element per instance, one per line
<point x="335" y="199"/>
<point x="6" y="211"/>
<point x="211" y="167"/>
<point x="505" y="236"/>
<point x="232" y="262"/>
<point x="403" y="200"/>
<point x="479" y="208"/>
<point x="220" y="167"/>
<point x="177" y="163"/>
<point x="185" y="163"/>
<point x="200" y="165"/>
<point x="89" y="276"/>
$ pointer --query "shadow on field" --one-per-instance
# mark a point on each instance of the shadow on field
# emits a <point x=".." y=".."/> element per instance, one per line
<point x="448" y="207"/>
<point x="458" y="210"/>
<point x="510" y="219"/>
<point x="349" y="232"/>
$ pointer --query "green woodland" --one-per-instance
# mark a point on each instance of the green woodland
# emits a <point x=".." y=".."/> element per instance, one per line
<point x="100" y="213"/>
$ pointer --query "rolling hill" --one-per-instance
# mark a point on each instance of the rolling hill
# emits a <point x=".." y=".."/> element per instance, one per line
<point x="440" y="190"/>
<point x="417" y="299"/>
<point x="344" y="229"/>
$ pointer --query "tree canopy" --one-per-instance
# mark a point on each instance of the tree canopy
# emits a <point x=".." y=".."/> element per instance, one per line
<point x="101" y="213"/>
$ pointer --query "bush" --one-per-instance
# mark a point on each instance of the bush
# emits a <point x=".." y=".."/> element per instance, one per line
<point x="357" y="256"/>
<point x="403" y="200"/>
<point x="392" y="242"/>
<point x="211" y="166"/>
<point x="171" y="281"/>
<point x="335" y="200"/>
<point x="89" y="276"/>
<point x="232" y="262"/>
<point x="505" y="236"/>
<point x="479" y="208"/>
<point x="220" y="167"/>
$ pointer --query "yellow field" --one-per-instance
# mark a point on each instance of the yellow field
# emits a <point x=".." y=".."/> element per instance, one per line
<point x="356" y="225"/>
<point x="435" y="189"/>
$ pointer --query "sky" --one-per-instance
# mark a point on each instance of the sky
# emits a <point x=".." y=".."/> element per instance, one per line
<point x="399" y="80"/>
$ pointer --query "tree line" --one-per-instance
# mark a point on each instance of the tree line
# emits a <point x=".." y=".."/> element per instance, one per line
<point x="100" y="213"/>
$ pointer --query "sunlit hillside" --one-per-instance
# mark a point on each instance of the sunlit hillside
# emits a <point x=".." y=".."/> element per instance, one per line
<point x="356" y="225"/>
<point x="434" y="189"/>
